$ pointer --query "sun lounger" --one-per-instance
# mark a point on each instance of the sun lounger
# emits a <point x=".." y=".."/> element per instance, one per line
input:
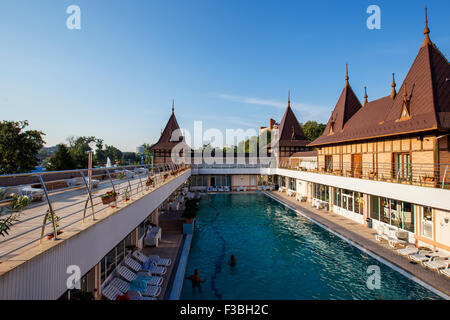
<point x="408" y="250"/>
<point x="142" y="258"/>
<point x="400" y="239"/>
<point x="136" y="295"/>
<point x="446" y="271"/>
<point x="165" y="262"/>
<point x="137" y="267"/>
<point x="220" y="189"/>
<point x="422" y="256"/>
<point x="32" y="193"/>
<point x="124" y="287"/>
<point x="110" y="292"/>
<point x="437" y="263"/>
<point x="149" y="264"/>
<point x="130" y="276"/>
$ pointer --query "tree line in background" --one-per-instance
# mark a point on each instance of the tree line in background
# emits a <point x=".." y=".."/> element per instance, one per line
<point x="22" y="150"/>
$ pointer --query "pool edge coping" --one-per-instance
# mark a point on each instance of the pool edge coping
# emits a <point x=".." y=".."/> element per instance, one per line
<point x="177" y="284"/>
<point x="367" y="251"/>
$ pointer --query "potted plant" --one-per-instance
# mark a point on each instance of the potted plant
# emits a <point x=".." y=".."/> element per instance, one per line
<point x="428" y="178"/>
<point x="50" y="219"/>
<point x="358" y="173"/>
<point x="372" y="174"/>
<point x="126" y="196"/>
<point x="165" y="176"/>
<point x="189" y="214"/>
<point x="149" y="182"/>
<point x="108" y="197"/>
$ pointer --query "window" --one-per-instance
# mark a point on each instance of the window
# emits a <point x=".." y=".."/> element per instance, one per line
<point x="402" y="166"/>
<point x="408" y="217"/>
<point x="321" y="192"/>
<point x="375" y="208"/>
<point x="350" y="200"/>
<point x="329" y="162"/>
<point x="396" y="213"/>
<point x="427" y="222"/>
<point x="292" y="185"/>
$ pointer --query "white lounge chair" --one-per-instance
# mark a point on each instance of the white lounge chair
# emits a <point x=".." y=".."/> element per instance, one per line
<point x="165" y="262"/>
<point x="400" y="239"/>
<point x="446" y="271"/>
<point x="153" y="268"/>
<point x="124" y="287"/>
<point x="437" y="263"/>
<point x="408" y="250"/>
<point x="220" y="189"/>
<point x="110" y="292"/>
<point x="422" y="256"/>
<point x="227" y="189"/>
<point x="136" y="295"/>
<point x="137" y="267"/>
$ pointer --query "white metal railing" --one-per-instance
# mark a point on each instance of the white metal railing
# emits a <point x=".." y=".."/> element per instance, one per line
<point x="65" y="198"/>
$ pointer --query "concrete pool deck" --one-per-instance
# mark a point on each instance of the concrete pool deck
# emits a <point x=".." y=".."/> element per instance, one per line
<point x="365" y="238"/>
<point x="169" y="247"/>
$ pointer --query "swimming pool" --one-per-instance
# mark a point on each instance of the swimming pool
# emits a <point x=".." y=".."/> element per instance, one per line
<point x="281" y="255"/>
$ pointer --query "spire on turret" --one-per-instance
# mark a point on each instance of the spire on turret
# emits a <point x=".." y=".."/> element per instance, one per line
<point x="365" y="96"/>
<point x="173" y="106"/>
<point x="426" y="31"/>
<point x="393" y="93"/>
<point x="346" y="75"/>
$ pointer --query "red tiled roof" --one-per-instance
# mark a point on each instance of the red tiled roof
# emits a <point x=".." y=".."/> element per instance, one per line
<point x="427" y="90"/>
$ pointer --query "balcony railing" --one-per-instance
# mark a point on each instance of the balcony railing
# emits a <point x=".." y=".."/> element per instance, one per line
<point x="64" y="200"/>
<point x="421" y="174"/>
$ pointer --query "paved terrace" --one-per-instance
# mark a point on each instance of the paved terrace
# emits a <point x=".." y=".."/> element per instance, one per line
<point x="22" y="243"/>
<point x="365" y="238"/>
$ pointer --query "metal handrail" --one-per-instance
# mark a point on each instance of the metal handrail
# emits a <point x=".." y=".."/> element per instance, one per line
<point x="134" y="187"/>
<point x="424" y="174"/>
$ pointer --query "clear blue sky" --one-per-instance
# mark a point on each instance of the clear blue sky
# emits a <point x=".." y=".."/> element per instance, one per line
<point x="229" y="63"/>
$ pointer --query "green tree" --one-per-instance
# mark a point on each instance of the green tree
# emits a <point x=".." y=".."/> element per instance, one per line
<point x="78" y="148"/>
<point x="130" y="157"/>
<point x="19" y="148"/>
<point x="113" y="153"/>
<point x="100" y="153"/>
<point x="313" y="130"/>
<point x="61" y="160"/>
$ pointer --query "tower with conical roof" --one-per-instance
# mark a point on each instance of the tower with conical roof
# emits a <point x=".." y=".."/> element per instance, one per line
<point x="168" y="140"/>
<point x="291" y="138"/>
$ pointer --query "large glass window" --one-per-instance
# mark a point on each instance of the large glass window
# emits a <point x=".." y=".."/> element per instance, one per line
<point x="350" y="200"/>
<point x="321" y="192"/>
<point x="408" y="216"/>
<point x="396" y="213"/>
<point x="292" y="185"/>
<point x="427" y="222"/>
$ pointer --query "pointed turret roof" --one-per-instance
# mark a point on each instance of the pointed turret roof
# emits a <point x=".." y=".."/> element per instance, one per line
<point x="166" y="142"/>
<point x="290" y="131"/>
<point x="347" y="105"/>
<point x="427" y="100"/>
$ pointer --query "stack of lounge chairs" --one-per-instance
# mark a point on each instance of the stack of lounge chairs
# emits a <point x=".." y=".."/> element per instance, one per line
<point x="153" y="236"/>
<point x="395" y="238"/>
<point x="139" y="276"/>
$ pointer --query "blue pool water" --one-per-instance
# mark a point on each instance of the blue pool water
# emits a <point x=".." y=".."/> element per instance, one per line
<point x="280" y="256"/>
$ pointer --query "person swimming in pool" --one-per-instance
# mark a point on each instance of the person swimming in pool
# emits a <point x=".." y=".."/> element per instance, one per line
<point x="196" y="281"/>
<point x="232" y="261"/>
